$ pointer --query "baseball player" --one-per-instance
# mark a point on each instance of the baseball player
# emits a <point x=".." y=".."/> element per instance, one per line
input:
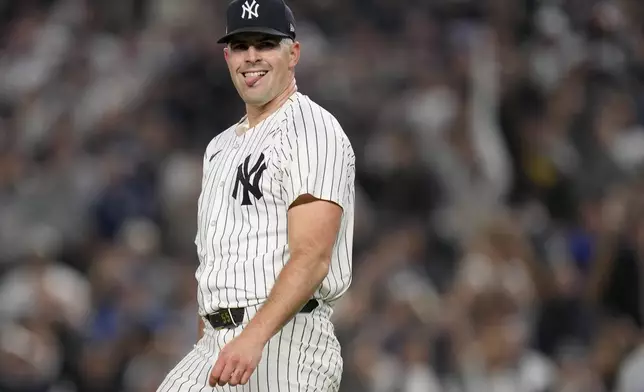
<point x="275" y="225"/>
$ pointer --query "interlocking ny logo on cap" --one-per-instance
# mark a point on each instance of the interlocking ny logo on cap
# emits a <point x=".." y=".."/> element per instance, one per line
<point x="250" y="11"/>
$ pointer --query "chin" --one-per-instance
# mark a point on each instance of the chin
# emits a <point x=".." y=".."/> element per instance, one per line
<point x="257" y="99"/>
<point x="255" y="102"/>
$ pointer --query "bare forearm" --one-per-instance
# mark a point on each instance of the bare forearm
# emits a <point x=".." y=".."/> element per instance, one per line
<point x="295" y="285"/>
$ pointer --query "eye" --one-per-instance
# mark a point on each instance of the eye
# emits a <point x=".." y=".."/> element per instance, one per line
<point x="266" y="45"/>
<point x="238" y="46"/>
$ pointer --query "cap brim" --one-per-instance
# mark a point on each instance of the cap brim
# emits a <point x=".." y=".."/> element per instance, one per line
<point x="263" y="30"/>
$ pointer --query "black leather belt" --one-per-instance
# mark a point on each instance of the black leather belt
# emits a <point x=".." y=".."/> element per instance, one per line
<point x="227" y="318"/>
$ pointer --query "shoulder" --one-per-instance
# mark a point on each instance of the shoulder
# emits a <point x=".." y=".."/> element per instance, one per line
<point x="218" y="142"/>
<point x="306" y="117"/>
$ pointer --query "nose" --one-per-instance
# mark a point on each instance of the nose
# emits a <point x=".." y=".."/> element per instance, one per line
<point x="252" y="55"/>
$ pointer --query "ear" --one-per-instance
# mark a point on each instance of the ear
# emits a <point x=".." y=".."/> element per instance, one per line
<point x="294" y="54"/>
<point x="226" y="53"/>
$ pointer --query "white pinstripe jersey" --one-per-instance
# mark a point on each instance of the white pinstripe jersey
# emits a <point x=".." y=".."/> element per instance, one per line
<point x="248" y="183"/>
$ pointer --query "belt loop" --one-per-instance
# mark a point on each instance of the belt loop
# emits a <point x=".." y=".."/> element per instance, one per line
<point x="232" y="319"/>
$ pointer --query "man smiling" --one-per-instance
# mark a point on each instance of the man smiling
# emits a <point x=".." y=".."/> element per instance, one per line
<point x="275" y="224"/>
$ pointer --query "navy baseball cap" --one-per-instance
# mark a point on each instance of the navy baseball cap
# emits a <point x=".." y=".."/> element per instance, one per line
<point x="272" y="17"/>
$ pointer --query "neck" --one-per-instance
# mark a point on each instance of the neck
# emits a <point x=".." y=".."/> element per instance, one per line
<point x="256" y="114"/>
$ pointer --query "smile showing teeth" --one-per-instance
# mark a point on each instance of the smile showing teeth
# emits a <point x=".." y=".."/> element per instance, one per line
<point x="254" y="74"/>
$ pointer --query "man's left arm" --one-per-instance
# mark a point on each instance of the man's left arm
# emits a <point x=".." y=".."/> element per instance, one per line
<point x="313" y="226"/>
<point x="317" y="191"/>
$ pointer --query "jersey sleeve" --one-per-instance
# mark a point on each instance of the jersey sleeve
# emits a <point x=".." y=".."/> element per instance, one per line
<point x="318" y="158"/>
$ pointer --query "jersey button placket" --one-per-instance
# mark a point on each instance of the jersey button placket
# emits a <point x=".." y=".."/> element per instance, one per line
<point x="213" y="222"/>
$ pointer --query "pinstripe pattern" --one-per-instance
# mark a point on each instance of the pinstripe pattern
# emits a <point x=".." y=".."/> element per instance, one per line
<point x="243" y="248"/>
<point x="316" y="367"/>
<point x="243" y="245"/>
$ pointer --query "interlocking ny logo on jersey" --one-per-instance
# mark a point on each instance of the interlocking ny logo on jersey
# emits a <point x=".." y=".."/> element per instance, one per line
<point x="250" y="11"/>
<point x="245" y="177"/>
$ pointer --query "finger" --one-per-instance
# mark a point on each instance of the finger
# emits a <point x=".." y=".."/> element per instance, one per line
<point x="246" y="376"/>
<point x="226" y="373"/>
<point x="215" y="373"/>
<point x="235" y="378"/>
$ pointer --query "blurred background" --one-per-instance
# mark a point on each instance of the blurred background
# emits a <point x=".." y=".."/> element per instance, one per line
<point x="500" y="192"/>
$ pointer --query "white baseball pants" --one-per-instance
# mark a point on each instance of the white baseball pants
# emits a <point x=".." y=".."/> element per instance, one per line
<point x="303" y="357"/>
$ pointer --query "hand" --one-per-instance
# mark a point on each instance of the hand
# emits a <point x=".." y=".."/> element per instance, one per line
<point x="237" y="361"/>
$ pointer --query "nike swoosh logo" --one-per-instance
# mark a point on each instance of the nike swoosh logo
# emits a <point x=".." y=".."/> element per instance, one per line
<point x="213" y="155"/>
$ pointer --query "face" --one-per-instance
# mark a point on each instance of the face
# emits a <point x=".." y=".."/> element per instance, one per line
<point x="260" y="67"/>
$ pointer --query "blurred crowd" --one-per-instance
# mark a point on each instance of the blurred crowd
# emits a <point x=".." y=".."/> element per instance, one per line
<point x="500" y="188"/>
